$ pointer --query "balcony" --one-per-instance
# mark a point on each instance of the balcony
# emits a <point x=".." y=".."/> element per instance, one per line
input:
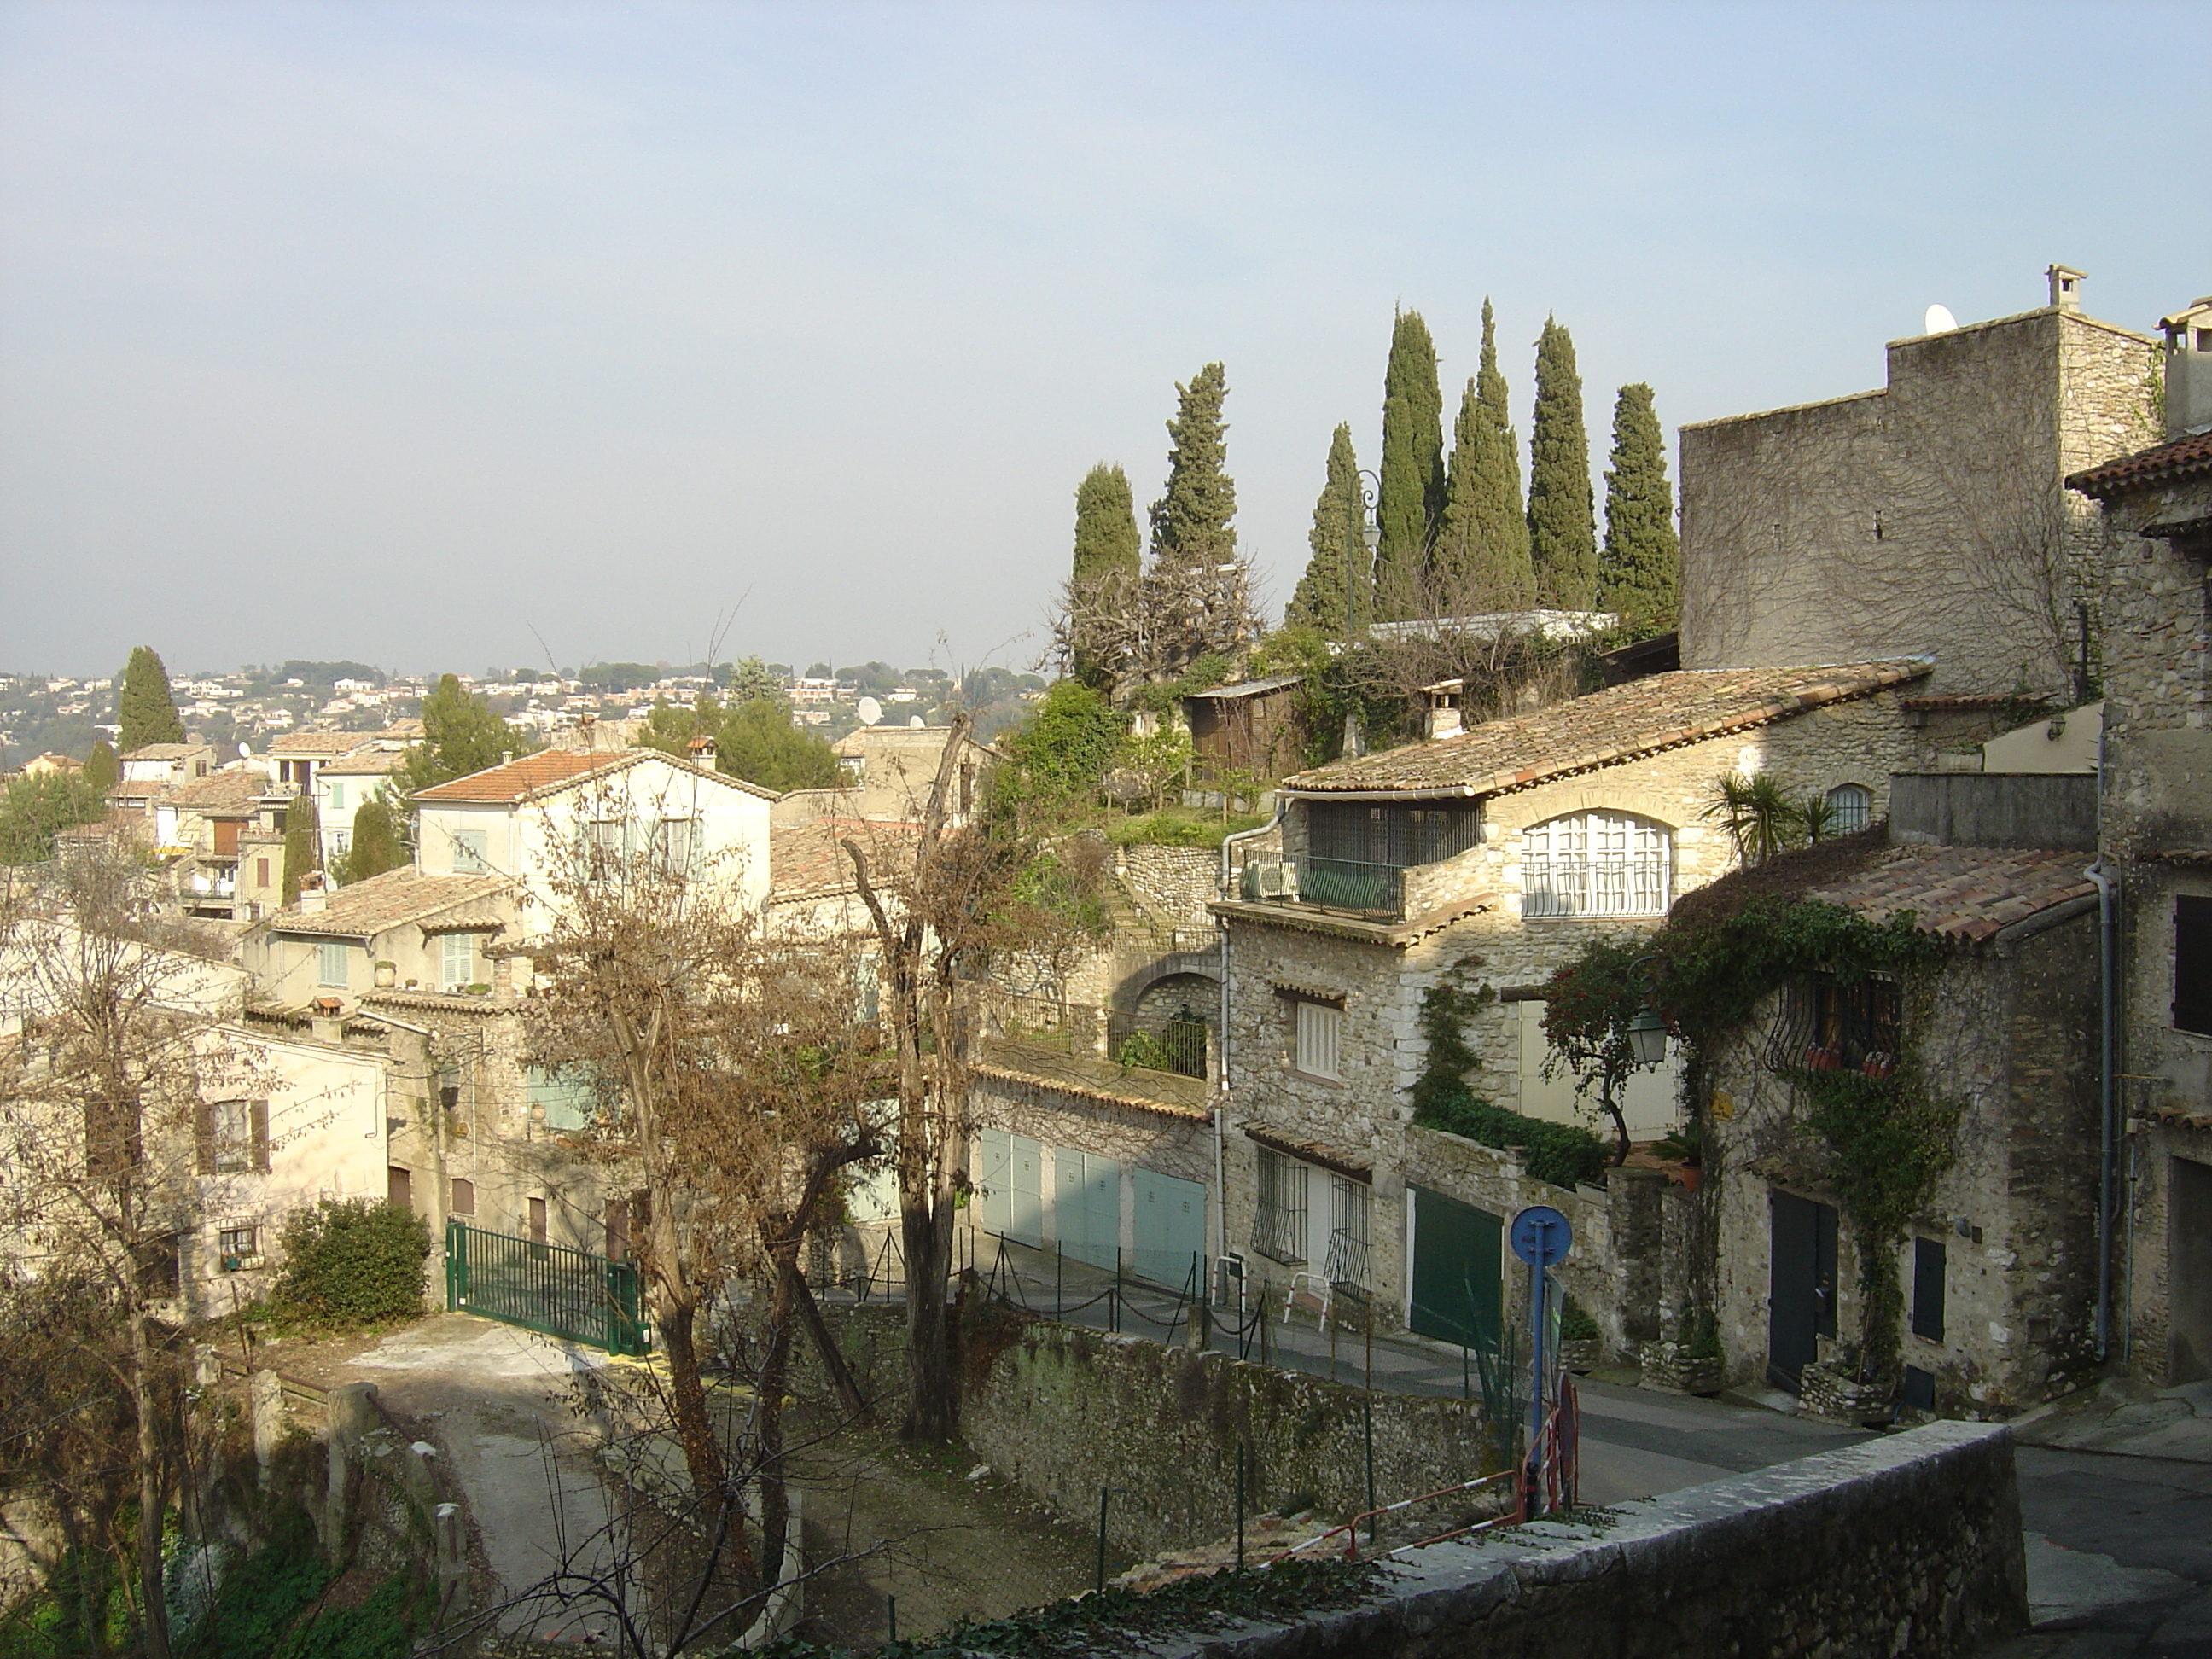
<point x="1371" y="890"/>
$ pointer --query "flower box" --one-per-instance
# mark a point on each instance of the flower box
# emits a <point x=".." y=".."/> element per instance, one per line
<point x="1826" y="1393"/>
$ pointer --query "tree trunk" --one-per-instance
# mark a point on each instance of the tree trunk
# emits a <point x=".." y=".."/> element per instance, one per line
<point x="1621" y="1146"/>
<point x="695" y="1432"/>
<point x="155" y="1609"/>
<point x="833" y="1361"/>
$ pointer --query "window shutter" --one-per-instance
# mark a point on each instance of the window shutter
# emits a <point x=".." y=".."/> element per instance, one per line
<point x="260" y="1110"/>
<point x="204" y="1136"/>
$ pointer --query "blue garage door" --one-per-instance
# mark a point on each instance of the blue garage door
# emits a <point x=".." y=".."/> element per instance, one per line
<point x="1170" y="1229"/>
<point x="1086" y="1213"/>
<point x="1013" y="1206"/>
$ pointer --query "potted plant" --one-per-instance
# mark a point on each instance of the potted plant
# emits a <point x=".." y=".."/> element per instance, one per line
<point x="1687" y="1146"/>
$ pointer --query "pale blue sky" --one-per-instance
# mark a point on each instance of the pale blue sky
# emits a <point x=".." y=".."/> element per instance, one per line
<point x="388" y="330"/>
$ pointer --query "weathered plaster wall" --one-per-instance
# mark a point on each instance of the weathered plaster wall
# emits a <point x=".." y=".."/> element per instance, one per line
<point x="1926" y="517"/>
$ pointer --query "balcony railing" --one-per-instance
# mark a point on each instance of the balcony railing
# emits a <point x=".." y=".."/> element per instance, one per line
<point x="1176" y="1044"/>
<point x="1347" y="884"/>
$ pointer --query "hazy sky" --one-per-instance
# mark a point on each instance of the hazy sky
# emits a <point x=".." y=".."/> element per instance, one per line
<point x="393" y="330"/>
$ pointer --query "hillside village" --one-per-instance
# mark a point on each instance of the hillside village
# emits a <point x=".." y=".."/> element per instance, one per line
<point x="1824" y="933"/>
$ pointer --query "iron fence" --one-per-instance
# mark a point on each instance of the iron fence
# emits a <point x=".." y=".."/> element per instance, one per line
<point x="548" y="1288"/>
<point x="1348" y="884"/>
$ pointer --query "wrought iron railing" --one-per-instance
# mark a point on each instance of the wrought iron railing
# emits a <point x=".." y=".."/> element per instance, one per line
<point x="1348" y="884"/>
<point x="547" y="1288"/>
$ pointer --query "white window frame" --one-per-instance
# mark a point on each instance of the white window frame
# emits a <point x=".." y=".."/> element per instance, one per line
<point x="1317" y="1038"/>
<point x="464" y="953"/>
<point x="1596" y="864"/>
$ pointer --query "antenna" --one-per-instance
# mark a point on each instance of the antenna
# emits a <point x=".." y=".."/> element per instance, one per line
<point x="1938" y="320"/>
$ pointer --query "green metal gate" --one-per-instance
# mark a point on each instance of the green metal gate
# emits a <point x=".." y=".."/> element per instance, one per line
<point x="548" y="1288"/>
<point x="1458" y="1277"/>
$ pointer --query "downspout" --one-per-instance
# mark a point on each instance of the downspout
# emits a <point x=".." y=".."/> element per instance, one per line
<point x="1221" y="1091"/>
<point x="2108" y="1063"/>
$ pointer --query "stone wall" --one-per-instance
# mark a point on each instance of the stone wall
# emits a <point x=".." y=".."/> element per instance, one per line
<point x="1171" y="1141"/>
<point x="1174" y="884"/>
<point x="1928" y="516"/>
<point x="1905" y="1547"/>
<point x="1062" y="1412"/>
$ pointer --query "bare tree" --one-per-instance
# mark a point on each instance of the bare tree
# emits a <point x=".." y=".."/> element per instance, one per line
<point x="115" y="1040"/>
<point x="1127" y="633"/>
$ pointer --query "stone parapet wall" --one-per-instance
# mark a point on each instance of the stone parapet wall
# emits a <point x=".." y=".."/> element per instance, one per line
<point x="1176" y="883"/>
<point x="1907" y="1547"/>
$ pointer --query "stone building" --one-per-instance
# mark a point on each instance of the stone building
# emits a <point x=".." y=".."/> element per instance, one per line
<point x="2157" y="847"/>
<point x="1999" y="1270"/>
<point x="1492" y="855"/>
<point x="1928" y="516"/>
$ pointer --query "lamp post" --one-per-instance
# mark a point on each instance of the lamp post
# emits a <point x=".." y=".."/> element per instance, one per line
<point x="1371" y="538"/>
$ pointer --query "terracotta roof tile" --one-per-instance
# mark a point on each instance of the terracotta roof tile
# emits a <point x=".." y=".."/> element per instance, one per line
<point x="167" y="752"/>
<point x="320" y="742"/>
<point x="2183" y="458"/>
<point x="366" y="909"/>
<point x="518" y="778"/>
<point x="362" y="763"/>
<point x="806" y="860"/>
<point x="1606" y="727"/>
<point x="219" y="791"/>
<point x="1963" y="892"/>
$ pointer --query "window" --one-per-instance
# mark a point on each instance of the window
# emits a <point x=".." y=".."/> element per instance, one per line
<point x="1827" y="1026"/>
<point x="333" y="966"/>
<point x="261" y="873"/>
<point x="1279" y="1225"/>
<point x="1596" y="864"/>
<point x="1319" y="1038"/>
<point x="537" y="1224"/>
<point x="399" y="1187"/>
<point x="232" y="1246"/>
<point x="1347" y="1233"/>
<point x="1402" y="836"/>
<point x="672" y="846"/>
<point x="1927" y="1288"/>
<point x="237" y="1137"/>
<point x="464" y="1197"/>
<point x="470" y="852"/>
<point x="457" y="961"/>
<point x="337" y="797"/>
<point x="567" y="1099"/>
<point x="2192" y="965"/>
<point x="1850" y="806"/>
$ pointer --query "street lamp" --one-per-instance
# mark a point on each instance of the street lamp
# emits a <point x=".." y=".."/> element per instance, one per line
<point x="1371" y="538"/>
<point x="1647" y="1037"/>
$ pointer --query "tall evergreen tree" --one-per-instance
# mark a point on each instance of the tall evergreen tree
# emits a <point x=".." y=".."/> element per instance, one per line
<point x="1190" y="520"/>
<point x="303" y="842"/>
<point x="375" y="847"/>
<point x="143" y="706"/>
<point x="1411" y="497"/>
<point x="101" y="768"/>
<point x="1638" y="572"/>
<point x="1562" y="515"/>
<point x="460" y="735"/>
<point x="1106" y="538"/>
<point x="1334" y="595"/>
<point x="1481" y="557"/>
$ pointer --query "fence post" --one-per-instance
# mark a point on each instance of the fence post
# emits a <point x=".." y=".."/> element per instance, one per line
<point x="1102" y="1491"/>
<point x="1240" y="1506"/>
<point x="1367" y="1420"/>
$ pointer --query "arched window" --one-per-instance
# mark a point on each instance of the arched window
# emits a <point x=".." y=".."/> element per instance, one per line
<point x="1596" y="864"/>
<point x="1850" y="805"/>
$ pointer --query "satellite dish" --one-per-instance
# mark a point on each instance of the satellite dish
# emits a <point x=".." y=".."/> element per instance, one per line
<point x="1938" y="320"/>
<point x="914" y="720"/>
<point x="245" y="751"/>
<point x="871" y="711"/>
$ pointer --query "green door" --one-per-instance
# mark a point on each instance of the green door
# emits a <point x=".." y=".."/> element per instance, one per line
<point x="1458" y="1282"/>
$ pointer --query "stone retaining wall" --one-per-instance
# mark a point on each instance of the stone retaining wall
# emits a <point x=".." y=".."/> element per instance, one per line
<point x="1903" y="1547"/>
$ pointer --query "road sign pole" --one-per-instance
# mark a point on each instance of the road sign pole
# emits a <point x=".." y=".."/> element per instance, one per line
<point x="1540" y="1237"/>
<point x="1535" y="1353"/>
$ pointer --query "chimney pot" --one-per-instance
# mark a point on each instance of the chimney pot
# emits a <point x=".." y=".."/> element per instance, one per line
<point x="2065" y="287"/>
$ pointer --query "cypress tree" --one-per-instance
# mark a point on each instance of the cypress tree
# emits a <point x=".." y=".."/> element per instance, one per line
<point x="303" y="843"/>
<point x="1482" y="546"/>
<point x="1334" y="595"/>
<point x="143" y="706"/>
<point x="375" y="847"/>
<point x="101" y="768"/>
<point x="1638" y="570"/>
<point x="1562" y="516"/>
<point x="1190" y="520"/>
<point x="1106" y="538"/>
<point x="1412" y="496"/>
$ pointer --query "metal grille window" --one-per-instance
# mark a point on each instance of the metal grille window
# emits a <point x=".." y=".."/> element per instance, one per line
<point x="1850" y="806"/>
<point x="1347" y="1265"/>
<point x="234" y="1244"/>
<point x="1279" y="1225"/>
<point x="1596" y="864"/>
<point x="1319" y="1038"/>
<point x="1391" y="834"/>
<point x="1823" y="1025"/>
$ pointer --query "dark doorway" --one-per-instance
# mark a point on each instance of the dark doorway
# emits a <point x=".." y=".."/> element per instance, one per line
<point x="2189" y="1270"/>
<point x="399" y="1187"/>
<point x="1801" y="1285"/>
<point x="1458" y="1285"/>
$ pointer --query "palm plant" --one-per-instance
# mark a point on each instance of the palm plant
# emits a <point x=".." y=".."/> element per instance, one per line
<point x="1760" y="819"/>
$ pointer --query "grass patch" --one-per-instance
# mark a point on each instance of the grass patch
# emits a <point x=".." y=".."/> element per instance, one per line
<point x="1179" y="826"/>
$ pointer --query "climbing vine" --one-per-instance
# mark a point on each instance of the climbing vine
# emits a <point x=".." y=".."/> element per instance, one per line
<point x="1887" y="1138"/>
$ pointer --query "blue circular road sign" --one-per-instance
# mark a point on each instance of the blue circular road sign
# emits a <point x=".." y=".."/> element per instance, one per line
<point x="1541" y="1235"/>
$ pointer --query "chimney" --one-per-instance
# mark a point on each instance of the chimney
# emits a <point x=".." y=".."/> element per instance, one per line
<point x="326" y="1019"/>
<point x="2065" y="287"/>
<point x="312" y="897"/>
<point x="1443" y="718"/>
<point x="2189" y="369"/>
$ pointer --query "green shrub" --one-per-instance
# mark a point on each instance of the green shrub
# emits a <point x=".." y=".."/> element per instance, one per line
<point x="1576" y="1324"/>
<point x="355" y="1262"/>
<point x="1564" y="1154"/>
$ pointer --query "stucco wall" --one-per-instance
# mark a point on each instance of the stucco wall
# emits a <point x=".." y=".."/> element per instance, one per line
<point x="1926" y="517"/>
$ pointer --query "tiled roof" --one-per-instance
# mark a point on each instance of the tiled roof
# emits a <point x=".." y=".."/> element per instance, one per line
<point x="2181" y="1117"/>
<point x="167" y="752"/>
<point x="219" y="791"/>
<point x="1248" y="688"/>
<point x="320" y="743"/>
<point x="137" y="788"/>
<point x="1963" y="892"/>
<point x="807" y="859"/>
<point x="366" y="908"/>
<point x="552" y="769"/>
<point x="2183" y="458"/>
<point x="1604" y="729"/>
<point x="362" y="763"/>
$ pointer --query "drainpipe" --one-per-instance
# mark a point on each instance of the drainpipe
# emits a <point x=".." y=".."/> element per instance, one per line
<point x="2108" y="1062"/>
<point x="1221" y="1092"/>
